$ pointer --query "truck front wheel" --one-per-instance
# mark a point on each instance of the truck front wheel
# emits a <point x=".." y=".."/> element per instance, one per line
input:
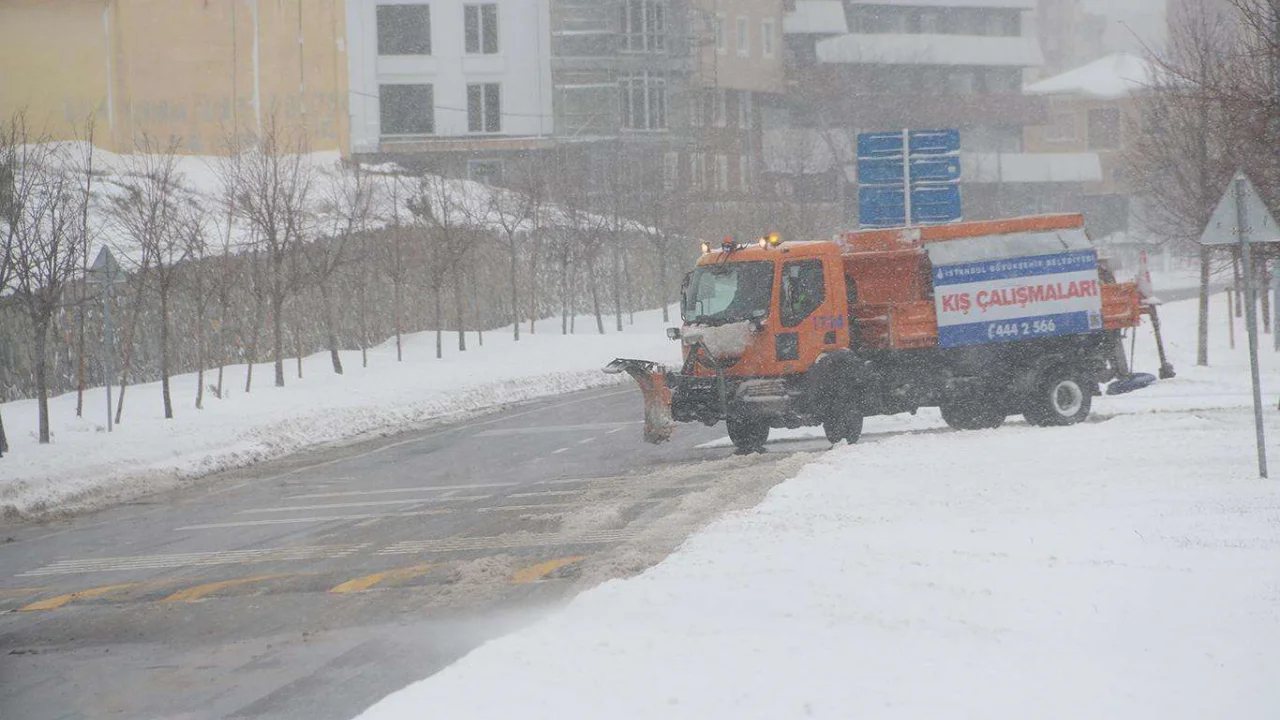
<point x="1059" y="399"/>
<point x="748" y="435"/>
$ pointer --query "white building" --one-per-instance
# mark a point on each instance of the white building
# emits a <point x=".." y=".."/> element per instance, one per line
<point x="449" y="74"/>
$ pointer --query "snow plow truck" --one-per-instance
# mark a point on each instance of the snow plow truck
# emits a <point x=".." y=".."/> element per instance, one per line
<point x="983" y="320"/>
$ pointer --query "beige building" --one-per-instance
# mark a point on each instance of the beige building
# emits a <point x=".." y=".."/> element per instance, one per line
<point x="1091" y="111"/>
<point x="190" y="70"/>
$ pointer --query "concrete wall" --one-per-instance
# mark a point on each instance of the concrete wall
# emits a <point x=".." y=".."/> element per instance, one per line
<point x="185" y="69"/>
<point x="727" y="67"/>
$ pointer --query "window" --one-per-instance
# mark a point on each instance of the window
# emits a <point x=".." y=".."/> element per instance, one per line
<point x="745" y="119"/>
<point x="698" y="170"/>
<point x="481" y="23"/>
<point x="722" y="173"/>
<point x="1104" y="129"/>
<point x="767" y="40"/>
<point x="644" y="102"/>
<point x="407" y="109"/>
<point x="718" y="25"/>
<point x="930" y="22"/>
<point x="1062" y="129"/>
<point x="720" y="108"/>
<point x="803" y="290"/>
<point x="744" y="173"/>
<point x="644" y="25"/>
<point x="670" y="170"/>
<point x="744" y="37"/>
<point x="962" y="81"/>
<point x="404" y="29"/>
<point x="484" y="108"/>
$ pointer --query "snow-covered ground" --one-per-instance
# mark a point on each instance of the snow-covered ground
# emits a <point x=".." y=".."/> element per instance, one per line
<point x="1125" y="568"/>
<point x="85" y="467"/>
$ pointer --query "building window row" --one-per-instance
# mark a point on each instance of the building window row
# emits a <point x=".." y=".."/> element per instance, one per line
<point x="644" y="102"/>
<point x="409" y="110"/>
<point x="881" y="19"/>
<point x="742" y="36"/>
<point x="644" y="26"/>
<point x="406" y="29"/>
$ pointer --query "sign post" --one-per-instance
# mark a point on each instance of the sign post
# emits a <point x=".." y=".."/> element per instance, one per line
<point x="1241" y="219"/>
<point x="909" y="177"/>
<point x="107" y="273"/>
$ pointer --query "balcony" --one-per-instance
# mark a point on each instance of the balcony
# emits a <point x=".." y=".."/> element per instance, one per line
<point x="897" y="49"/>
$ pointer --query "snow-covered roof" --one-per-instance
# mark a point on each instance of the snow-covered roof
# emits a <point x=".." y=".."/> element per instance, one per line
<point x="816" y="17"/>
<point x="994" y="4"/>
<point x="1031" y="167"/>
<point x="1110" y="78"/>
<point x="895" y="49"/>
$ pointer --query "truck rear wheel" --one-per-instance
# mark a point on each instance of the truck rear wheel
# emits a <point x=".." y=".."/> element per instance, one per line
<point x="844" y="425"/>
<point x="748" y="435"/>
<point x="972" y="414"/>
<point x="1059" y="399"/>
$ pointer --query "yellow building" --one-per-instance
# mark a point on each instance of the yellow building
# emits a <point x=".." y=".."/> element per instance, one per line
<point x="191" y="70"/>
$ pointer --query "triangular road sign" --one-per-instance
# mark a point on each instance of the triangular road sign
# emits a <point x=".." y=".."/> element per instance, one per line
<point x="105" y="269"/>
<point x="1224" y="227"/>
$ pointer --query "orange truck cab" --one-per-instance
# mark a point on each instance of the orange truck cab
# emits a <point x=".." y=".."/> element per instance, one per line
<point x="983" y="320"/>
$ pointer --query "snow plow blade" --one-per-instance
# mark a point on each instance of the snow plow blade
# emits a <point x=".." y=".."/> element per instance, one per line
<point x="651" y="377"/>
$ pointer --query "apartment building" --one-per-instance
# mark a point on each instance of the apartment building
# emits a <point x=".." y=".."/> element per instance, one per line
<point x="191" y="72"/>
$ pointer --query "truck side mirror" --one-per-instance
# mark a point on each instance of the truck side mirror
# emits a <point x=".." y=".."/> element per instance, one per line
<point x="673" y="333"/>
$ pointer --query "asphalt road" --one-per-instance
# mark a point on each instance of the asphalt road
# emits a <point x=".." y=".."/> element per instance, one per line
<point x="312" y="587"/>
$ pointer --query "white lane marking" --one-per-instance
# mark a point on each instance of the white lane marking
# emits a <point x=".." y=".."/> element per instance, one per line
<point x="586" y="440"/>
<point x="395" y="491"/>
<point x="545" y="493"/>
<point x="202" y="559"/>
<point x="571" y="481"/>
<point x="525" y="508"/>
<point x="370" y="503"/>
<point x="617" y="429"/>
<point x="557" y="452"/>
<point x="549" y="429"/>
<point x="505" y="542"/>
<point x="318" y="519"/>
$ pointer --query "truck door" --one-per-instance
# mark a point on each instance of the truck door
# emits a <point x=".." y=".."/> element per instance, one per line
<point x="811" y="321"/>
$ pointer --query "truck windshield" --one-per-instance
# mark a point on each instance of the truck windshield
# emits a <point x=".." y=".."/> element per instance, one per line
<point x="732" y="292"/>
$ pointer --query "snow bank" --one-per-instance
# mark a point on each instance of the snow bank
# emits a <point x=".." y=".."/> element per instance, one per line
<point x="1126" y="568"/>
<point x="85" y="467"/>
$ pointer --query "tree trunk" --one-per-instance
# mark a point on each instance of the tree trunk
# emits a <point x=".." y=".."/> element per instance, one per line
<point x="515" y="296"/>
<point x="1235" y="270"/>
<point x="1202" y="334"/>
<point x="4" y="439"/>
<point x="277" y="336"/>
<point x="223" y="302"/>
<point x="564" y="297"/>
<point x="364" y="322"/>
<point x="200" y="351"/>
<point x="662" y="284"/>
<point x="617" y="282"/>
<point x="330" y="326"/>
<point x="595" y="300"/>
<point x="533" y="291"/>
<point x="297" y="343"/>
<point x="128" y="352"/>
<point x="80" y="379"/>
<point x="439" y="308"/>
<point x="252" y="355"/>
<point x="164" y="353"/>
<point x="458" y="302"/>
<point x="41" y="329"/>
<point x="631" y="296"/>
<point x="397" y="291"/>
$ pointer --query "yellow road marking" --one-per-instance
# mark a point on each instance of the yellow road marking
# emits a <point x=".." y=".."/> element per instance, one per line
<point x="54" y="603"/>
<point x="534" y="573"/>
<point x="361" y="584"/>
<point x="200" y="592"/>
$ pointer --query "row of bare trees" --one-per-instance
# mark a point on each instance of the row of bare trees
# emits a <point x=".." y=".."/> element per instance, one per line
<point x="282" y="252"/>
<point x="1212" y="108"/>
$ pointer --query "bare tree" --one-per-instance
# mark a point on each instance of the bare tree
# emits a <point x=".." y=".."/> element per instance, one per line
<point x="9" y="150"/>
<point x="444" y="217"/>
<point x="513" y="212"/>
<point x="84" y="269"/>
<point x="394" y="253"/>
<point x="193" y="228"/>
<point x="272" y="186"/>
<point x="47" y="238"/>
<point x="347" y="209"/>
<point x="149" y="210"/>
<point x="1180" y="160"/>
